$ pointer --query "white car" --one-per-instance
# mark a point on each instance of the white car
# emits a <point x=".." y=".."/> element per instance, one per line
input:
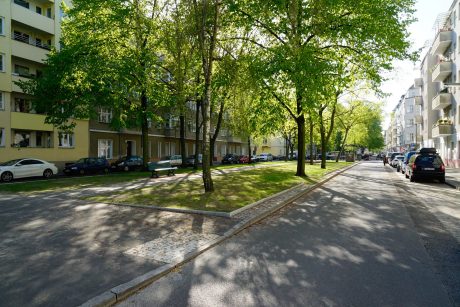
<point x="265" y="157"/>
<point x="396" y="160"/>
<point x="21" y="168"/>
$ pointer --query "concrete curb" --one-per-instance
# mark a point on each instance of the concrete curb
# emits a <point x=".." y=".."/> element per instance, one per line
<point x="120" y="292"/>
<point x="452" y="184"/>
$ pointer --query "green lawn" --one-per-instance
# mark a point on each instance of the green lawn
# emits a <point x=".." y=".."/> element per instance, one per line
<point x="232" y="191"/>
<point x="77" y="182"/>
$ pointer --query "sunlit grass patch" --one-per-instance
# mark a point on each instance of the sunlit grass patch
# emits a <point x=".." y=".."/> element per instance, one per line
<point x="232" y="191"/>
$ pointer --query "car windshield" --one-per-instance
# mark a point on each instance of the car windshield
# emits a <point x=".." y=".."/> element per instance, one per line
<point x="10" y="163"/>
<point x="82" y="160"/>
<point x="400" y="157"/>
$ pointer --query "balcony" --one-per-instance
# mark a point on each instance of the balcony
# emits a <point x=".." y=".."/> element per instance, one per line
<point x="29" y="121"/>
<point x="442" y="42"/>
<point x="170" y="132"/>
<point x="15" y="78"/>
<point x="441" y="130"/>
<point x="418" y="82"/>
<point x="441" y="101"/>
<point x="29" y="51"/>
<point x="234" y="139"/>
<point x="418" y="119"/>
<point x="21" y="14"/>
<point x="442" y="71"/>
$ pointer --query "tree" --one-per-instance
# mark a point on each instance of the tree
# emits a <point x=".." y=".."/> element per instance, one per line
<point x="109" y="58"/>
<point x="299" y="42"/>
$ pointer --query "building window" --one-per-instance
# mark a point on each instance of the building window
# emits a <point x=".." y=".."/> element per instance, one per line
<point x="22" y="3"/>
<point x="22" y="139"/>
<point x="48" y="12"/>
<point x="105" y="115"/>
<point x="38" y="10"/>
<point x="2" y="62"/>
<point x="2" y="101"/>
<point x="105" y="149"/>
<point x="66" y="140"/>
<point x="2" y="137"/>
<point x="22" y="105"/>
<point x="410" y="109"/>
<point x="2" y="25"/>
<point x="22" y="71"/>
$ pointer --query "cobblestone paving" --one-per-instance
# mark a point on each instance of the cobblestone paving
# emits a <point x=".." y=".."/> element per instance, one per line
<point x="172" y="246"/>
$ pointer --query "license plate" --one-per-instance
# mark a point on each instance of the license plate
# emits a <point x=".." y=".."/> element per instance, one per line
<point x="429" y="169"/>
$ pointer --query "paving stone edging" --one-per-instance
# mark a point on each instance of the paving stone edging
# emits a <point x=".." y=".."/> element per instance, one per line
<point x="121" y="292"/>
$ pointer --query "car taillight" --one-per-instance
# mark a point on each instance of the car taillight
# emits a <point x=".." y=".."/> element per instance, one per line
<point x="443" y="168"/>
<point x="414" y="167"/>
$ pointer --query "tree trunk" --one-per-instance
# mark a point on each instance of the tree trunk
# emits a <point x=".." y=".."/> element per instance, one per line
<point x="311" y="141"/>
<point x="249" y="149"/>
<point x="286" y="146"/>
<point x="145" y="130"/>
<point x="216" y="132"/>
<point x="182" y="138"/>
<point x="342" y="146"/>
<point x="301" y="146"/>
<point x="198" y="148"/>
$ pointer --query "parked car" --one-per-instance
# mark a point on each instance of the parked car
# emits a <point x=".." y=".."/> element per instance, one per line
<point x="403" y="163"/>
<point x="128" y="163"/>
<point x="174" y="160"/>
<point x="230" y="159"/>
<point x="88" y="166"/>
<point x="28" y="167"/>
<point x="190" y="161"/>
<point x="243" y="159"/>
<point x="426" y="164"/>
<point x="265" y="157"/>
<point x="395" y="161"/>
<point x="254" y="158"/>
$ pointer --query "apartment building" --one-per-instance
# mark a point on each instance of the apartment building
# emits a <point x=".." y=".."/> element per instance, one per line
<point x="443" y="62"/>
<point x="164" y="138"/>
<point x="28" y="31"/>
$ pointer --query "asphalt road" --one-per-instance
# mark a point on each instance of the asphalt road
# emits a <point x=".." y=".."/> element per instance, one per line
<point x="56" y="250"/>
<point x="365" y="238"/>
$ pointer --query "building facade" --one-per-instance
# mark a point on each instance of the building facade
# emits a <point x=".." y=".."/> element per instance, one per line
<point x="28" y="31"/>
<point x="434" y="97"/>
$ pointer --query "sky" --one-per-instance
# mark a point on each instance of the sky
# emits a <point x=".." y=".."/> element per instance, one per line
<point x="404" y="73"/>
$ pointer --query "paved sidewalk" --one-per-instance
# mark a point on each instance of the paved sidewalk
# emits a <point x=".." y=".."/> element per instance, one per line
<point x="453" y="177"/>
<point x="176" y="248"/>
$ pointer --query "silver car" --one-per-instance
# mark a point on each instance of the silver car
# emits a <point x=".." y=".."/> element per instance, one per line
<point x="28" y="167"/>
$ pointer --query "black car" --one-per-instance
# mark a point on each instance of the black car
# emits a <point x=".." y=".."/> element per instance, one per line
<point x="128" y="163"/>
<point x="190" y="161"/>
<point x="230" y="159"/>
<point x="426" y="164"/>
<point x="87" y="166"/>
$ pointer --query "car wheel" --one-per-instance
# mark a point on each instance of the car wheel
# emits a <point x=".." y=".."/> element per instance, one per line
<point x="106" y="170"/>
<point x="81" y="172"/>
<point x="48" y="173"/>
<point x="126" y="168"/>
<point x="7" y="176"/>
<point x="398" y="169"/>
<point x="442" y="180"/>
<point x="412" y="178"/>
<point x="407" y="176"/>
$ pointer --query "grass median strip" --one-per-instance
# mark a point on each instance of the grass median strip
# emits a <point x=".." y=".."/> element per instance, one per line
<point x="232" y="190"/>
<point x="59" y="184"/>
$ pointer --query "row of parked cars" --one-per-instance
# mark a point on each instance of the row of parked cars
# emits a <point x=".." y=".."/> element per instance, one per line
<point x="415" y="165"/>
<point x="28" y="167"/>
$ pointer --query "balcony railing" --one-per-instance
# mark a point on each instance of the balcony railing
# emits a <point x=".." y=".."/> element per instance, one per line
<point x="441" y="101"/>
<point x="442" y="71"/>
<point x="418" y="82"/>
<point x="29" y="40"/>
<point x="441" y="130"/>
<point x="442" y="41"/>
